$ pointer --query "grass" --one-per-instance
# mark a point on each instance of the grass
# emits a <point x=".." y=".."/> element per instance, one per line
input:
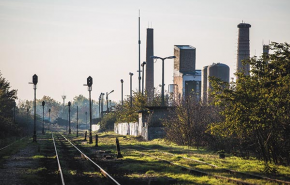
<point x="142" y="167"/>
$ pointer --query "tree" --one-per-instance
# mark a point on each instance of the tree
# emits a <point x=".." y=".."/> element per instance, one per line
<point x="257" y="107"/>
<point x="126" y="113"/>
<point x="187" y="122"/>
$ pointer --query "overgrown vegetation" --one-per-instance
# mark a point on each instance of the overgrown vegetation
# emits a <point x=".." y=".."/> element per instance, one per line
<point x="256" y="108"/>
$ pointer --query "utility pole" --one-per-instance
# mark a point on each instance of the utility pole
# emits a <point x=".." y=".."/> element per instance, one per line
<point x="49" y="114"/>
<point x="87" y="120"/>
<point x="77" y="121"/>
<point x="107" y="100"/>
<point x="131" y="98"/>
<point x="27" y="114"/>
<point x="43" y="103"/>
<point x="69" y="130"/>
<point x="102" y="104"/>
<point x="139" y="42"/>
<point x="143" y="65"/>
<point x="122" y="81"/>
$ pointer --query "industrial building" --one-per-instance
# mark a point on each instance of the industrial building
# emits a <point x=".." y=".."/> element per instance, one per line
<point x="218" y="70"/>
<point x="187" y="80"/>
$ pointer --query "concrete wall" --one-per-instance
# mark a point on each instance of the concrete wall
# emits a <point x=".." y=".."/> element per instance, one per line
<point x="126" y="128"/>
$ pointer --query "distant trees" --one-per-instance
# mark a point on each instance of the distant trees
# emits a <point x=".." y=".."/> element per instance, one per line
<point x="257" y="107"/>
<point x="7" y="102"/>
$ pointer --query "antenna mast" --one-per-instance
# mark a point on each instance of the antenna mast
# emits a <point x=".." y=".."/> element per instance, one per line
<point x="139" y="42"/>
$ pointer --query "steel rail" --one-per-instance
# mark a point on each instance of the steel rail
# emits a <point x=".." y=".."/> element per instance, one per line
<point x="101" y="169"/>
<point x="58" y="163"/>
<point x="12" y="143"/>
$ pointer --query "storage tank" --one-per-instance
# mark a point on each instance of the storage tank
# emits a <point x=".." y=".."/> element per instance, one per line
<point x="204" y="84"/>
<point x="218" y="70"/>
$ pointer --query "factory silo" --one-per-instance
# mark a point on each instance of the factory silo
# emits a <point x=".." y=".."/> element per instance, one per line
<point x="243" y="47"/>
<point x="149" y="65"/>
<point x="266" y="49"/>
<point x="204" y="84"/>
<point x="218" y="70"/>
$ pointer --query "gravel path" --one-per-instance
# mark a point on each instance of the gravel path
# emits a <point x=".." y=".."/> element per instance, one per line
<point x="18" y="165"/>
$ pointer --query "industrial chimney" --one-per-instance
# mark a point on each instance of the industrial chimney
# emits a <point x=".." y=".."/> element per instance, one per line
<point x="149" y="65"/>
<point x="243" y="47"/>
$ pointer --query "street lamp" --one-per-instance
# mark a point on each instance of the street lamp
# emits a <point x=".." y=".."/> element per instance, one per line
<point x="43" y="103"/>
<point x="89" y="84"/>
<point x="107" y="97"/>
<point x="143" y="65"/>
<point x="69" y="130"/>
<point x="162" y="88"/>
<point x="122" y="81"/>
<point x="34" y="82"/>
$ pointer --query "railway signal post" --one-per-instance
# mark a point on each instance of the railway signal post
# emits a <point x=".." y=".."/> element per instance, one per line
<point x="34" y="82"/>
<point x="43" y="103"/>
<point x="89" y="84"/>
<point x="69" y="130"/>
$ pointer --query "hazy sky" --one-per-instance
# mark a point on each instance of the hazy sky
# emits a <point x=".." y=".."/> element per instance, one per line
<point x="65" y="41"/>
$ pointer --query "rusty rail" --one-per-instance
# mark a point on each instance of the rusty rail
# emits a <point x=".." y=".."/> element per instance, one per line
<point x="58" y="163"/>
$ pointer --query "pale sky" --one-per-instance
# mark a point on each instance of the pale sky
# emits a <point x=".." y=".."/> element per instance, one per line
<point x="65" y="41"/>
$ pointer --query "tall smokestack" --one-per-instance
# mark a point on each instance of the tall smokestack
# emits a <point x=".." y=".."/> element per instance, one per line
<point x="150" y="65"/>
<point x="243" y="47"/>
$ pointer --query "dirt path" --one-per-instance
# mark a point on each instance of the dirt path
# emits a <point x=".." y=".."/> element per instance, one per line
<point x="17" y="166"/>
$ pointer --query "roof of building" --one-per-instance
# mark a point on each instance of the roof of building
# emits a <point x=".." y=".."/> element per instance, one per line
<point x="184" y="46"/>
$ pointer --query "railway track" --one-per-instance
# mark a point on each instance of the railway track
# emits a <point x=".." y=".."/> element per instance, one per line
<point x="191" y="165"/>
<point x="75" y="167"/>
<point x="11" y="143"/>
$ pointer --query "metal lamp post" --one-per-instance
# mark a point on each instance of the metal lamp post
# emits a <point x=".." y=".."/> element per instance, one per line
<point x="131" y="98"/>
<point x="69" y="130"/>
<point x="162" y="85"/>
<point x="122" y="81"/>
<point x="107" y="100"/>
<point x="143" y="65"/>
<point x="43" y="103"/>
